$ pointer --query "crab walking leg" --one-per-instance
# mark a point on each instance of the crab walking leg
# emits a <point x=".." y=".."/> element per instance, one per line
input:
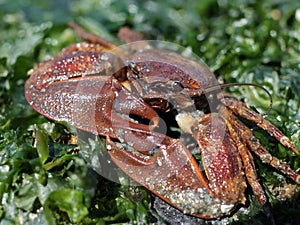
<point x="247" y="158"/>
<point x="241" y="109"/>
<point x="260" y="151"/>
<point x="90" y="37"/>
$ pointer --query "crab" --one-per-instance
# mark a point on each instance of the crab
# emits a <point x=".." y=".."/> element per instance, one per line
<point x="128" y="97"/>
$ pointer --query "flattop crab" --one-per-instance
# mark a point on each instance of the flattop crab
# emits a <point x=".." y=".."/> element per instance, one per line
<point x="123" y="94"/>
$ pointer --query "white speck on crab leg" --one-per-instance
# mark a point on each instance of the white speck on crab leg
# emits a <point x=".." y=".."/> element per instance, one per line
<point x="266" y="158"/>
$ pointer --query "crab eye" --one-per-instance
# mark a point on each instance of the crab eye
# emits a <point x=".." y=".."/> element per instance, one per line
<point x="177" y="86"/>
<point x="134" y="68"/>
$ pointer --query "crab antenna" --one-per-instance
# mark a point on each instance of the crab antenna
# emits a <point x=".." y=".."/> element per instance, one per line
<point x="217" y="87"/>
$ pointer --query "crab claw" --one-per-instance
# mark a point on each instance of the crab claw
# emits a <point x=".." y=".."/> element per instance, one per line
<point x="220" y="157"/>
<point x="173" y="174"/>
<point x="114" y="107"/>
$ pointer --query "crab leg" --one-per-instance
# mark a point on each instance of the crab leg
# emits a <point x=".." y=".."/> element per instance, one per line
<point x="90" y="37"/>
<point x="247" y="158"/>
<point x="260" y="151"/>
<point x="254" y="143"/>
<point x="242" y="110"/>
